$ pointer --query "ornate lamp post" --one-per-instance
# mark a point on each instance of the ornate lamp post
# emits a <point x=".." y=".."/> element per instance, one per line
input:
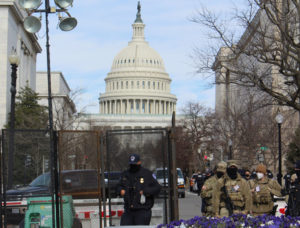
<point x="279" y="120"/>
<point x="230" y="149"/>
<point x="14" y="61"/>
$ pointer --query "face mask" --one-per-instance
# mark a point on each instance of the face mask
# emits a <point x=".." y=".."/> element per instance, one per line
<point x="134" y="168"/>
<point x="220" y="174"/>
<point x="297" y="173"/>
<point x="232" y="172"/>
<point x="260" y="176"/>
<point x="247" y="176"/>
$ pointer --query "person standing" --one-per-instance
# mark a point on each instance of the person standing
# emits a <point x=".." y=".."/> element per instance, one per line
<point x="231" y="195"/>
<point x="207" y="189"/>
<point x="247" y="175"/>
<point x="199" y="182"/>
<point x="293" y="208"/>
<point x="263" y="189"/>
<point x="138" y="187"/>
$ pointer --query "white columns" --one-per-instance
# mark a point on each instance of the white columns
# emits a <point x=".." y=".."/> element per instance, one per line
<point x="134" y="106"/>
<point x="128" y="106"/>
<point x="147" y="107"/>
<point x="140" y="106"/>
<point x="121" y="107"/>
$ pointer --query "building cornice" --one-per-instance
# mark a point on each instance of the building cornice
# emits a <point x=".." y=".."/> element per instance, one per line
<point x="20" y="18"/>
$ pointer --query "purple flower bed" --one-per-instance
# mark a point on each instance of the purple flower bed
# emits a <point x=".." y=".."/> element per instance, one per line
<point x="236" y="221"/>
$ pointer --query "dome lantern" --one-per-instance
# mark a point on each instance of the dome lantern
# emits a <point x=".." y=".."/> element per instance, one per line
<point x="138" y="14"/>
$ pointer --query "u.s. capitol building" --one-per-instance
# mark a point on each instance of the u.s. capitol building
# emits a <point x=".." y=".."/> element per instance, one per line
<point x="137" y="93"/>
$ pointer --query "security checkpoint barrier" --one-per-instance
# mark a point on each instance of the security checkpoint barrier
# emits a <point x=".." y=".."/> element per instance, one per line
<point x="90" y="219"/>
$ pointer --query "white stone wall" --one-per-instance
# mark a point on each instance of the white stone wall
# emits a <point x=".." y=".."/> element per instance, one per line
<point x="88" y="121"/>
<point x="14" y="37"/>
<point x="62" y="105"/>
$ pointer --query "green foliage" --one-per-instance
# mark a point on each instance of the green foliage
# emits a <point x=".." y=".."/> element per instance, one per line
<point x="28" y="113"/>
<point x="294" y="151"/>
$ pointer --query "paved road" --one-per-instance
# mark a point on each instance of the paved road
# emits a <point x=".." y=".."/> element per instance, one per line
<point x="190" y="206"/>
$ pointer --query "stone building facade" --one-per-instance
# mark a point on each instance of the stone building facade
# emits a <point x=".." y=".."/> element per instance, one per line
<point x="14" y="39"/>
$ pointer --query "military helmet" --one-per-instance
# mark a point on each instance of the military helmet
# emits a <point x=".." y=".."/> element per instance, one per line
<point x="221" y="166"/>
<point x="232" y="163"/>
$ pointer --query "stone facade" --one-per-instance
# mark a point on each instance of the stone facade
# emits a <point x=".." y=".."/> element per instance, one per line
<point x="62" y="105"/>
<point x="15" y="39"/>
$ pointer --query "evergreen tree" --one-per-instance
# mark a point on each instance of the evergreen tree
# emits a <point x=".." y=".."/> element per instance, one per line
<point x="294" y="151"/>
<point x="30" y="146"/>
<point x="28" y="113"/>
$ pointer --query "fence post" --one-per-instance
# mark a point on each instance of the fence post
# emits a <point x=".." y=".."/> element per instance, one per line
<point x="174" y="212"/>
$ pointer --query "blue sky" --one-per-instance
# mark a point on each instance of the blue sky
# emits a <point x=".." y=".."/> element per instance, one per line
<point x="85" y="54"/>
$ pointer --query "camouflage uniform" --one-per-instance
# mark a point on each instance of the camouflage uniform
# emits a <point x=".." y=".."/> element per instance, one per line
<point x="238" y="191"/>
<point x="262" y="192"/>
<point x="262" y="199"/>
<point x="207" y="190"/>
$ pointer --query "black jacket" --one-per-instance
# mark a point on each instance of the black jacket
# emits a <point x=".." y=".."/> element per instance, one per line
<point x="133" y="183"/>
<point x="293" y="208"/>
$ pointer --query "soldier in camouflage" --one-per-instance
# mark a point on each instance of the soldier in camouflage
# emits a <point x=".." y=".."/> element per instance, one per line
<point x="263" y="189"/>
<point x="233" y="189"/>
<point x="207" y="189"/>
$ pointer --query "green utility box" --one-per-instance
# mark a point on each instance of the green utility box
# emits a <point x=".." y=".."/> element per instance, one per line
<point x="39" y="212"/>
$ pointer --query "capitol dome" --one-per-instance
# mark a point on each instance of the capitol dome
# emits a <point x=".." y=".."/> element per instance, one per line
<point x="137" y="82"/>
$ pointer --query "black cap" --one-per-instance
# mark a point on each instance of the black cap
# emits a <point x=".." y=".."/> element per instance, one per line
<point x="133" y="159"/>
<point x="297" y="164"/>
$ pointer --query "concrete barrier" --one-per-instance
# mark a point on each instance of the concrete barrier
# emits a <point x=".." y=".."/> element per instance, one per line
<point x="88" y="213"/>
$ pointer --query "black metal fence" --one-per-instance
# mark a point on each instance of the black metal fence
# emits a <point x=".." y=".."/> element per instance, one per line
<point x="150" y="144"/>
<point x="89" y="166"/>
<point x="28" y="160"/>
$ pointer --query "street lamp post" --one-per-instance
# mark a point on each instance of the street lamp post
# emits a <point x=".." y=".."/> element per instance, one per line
<point x="279" y="120"/>
<point x="33" y="25"/>
<point x="230" y="149"/>
<point x="14" y="61"/>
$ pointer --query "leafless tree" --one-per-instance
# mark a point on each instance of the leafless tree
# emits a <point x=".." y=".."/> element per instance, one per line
<point x="266" y="56"/>
<point x="66" y="115"/>
<point x="252" y="128"/>
<point x="197" y="126"/>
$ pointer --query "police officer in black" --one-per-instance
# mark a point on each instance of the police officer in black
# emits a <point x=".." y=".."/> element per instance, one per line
<point x="293" y="208"/>
<point x="138" y="187"/>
